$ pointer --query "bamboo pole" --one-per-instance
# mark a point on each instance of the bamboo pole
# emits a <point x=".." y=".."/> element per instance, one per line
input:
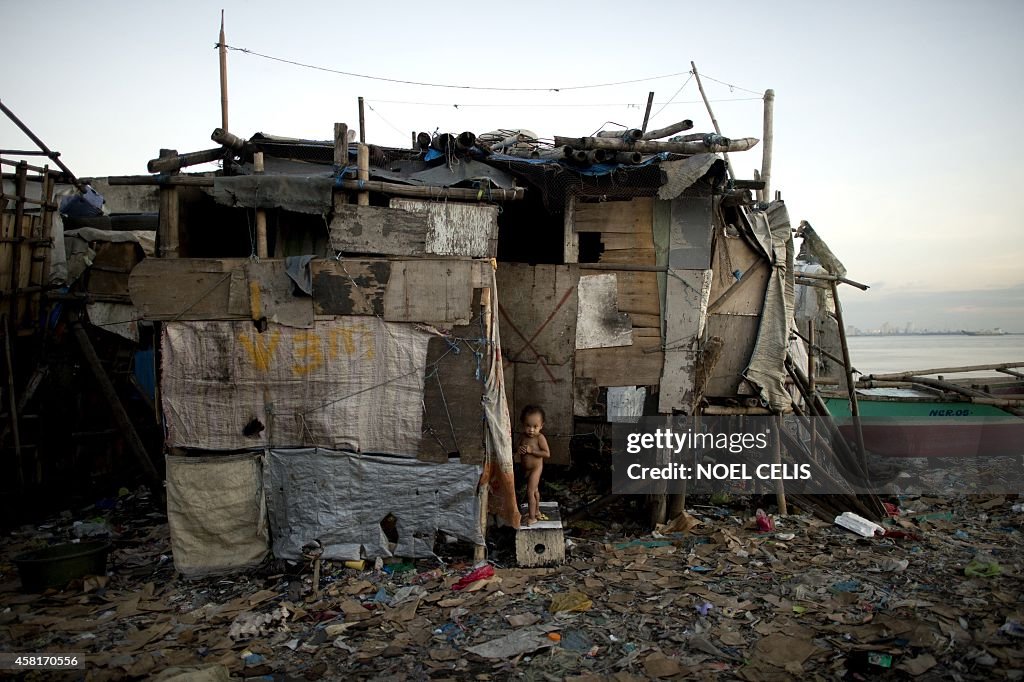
<point x="730" y="410"/>
<point x="436" y="192"/>
<point x="19" y="236"/>
<point x="261" y="215"/>
<point x="833" y="278"/>
<point x="13" y="402"/>
<point x="766" y="148"/>
<point x="851" y="386"/>
<point x="629" y="134"/>
<point x="714" y="121"/>
<point x="52" y="155"/>
<point x="170" y="164"/>
<point x="363" y="173"/>
<point x="362" y="122"/>
<point x="110" y="394"/>
<point x="483" y="488"/>
<point x="169" y="222"/>
<point x="647" y="111"/>
<point x="946" y="370"/>
<point x="1010" y="372"/>
<point x="811" y="372"/>
<point x="222" y="48"/>
<point x="651" y="147"/>
<point x="685" y="124"/>
<point x="340" y="162"/>
<point x="780" y="488"/>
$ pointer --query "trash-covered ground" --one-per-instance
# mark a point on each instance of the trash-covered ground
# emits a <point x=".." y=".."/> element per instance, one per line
<point x="707" y="597"/>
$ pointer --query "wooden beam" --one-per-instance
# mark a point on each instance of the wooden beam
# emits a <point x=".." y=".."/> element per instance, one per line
<point x="949" y="370"/>
<point x="571" y="242"/>
<point x="169" y="222"/>
<point x="437" y="192"/>
<point x="106" y="387"/>
<point x="161" y="180"/>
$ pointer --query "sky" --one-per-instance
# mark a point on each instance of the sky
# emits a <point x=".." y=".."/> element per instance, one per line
<point x="895" y="123"/>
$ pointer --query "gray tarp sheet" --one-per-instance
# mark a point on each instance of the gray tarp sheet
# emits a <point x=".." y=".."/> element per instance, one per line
<point x="767" y="369"/>
<point x="681" y="174"/>
<point x="340" y="498"/>
<point x="302" y="194"/>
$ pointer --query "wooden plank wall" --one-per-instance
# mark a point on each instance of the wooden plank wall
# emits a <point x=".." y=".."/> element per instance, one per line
<point x="537" y="306"/>
<point x="687" y="290"/>
<point x="626" y="231"/>
<point x="740" y="275"/>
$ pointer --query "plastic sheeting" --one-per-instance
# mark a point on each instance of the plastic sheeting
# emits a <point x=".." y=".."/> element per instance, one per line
<point x="216" y="512"/>
<point x="340" y="498"/>
<point x="767" y="368"/>
<point x="309" y="194"/>
<point x="497" y="473"/>
<point x="353" y="383"/>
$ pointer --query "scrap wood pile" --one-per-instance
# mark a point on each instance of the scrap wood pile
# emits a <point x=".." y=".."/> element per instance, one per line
<point x="706" y="597"/>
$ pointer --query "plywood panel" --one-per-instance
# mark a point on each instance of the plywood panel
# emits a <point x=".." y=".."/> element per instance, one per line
<point x="378" y="230"/>
<point x="745" y="295"/>
<point x="272" y="295"/>
<point x="191" y="289"/>
<point x="686" y="300"/>
<point x="549" y="386"/>
<point x="636" y="365"/>
<point x="453" y="390"/>
<point x="537" y="307"/>
<point x="455" y="229"/>
<point x="350" y="287"/>
<point x="111" y="267"/>
<point x="436" y="291"/>
<point x="599" y="324"/>
<point x="738" y="332"/>
<point x="690" y="233"/>
<point x="615" y="216"/>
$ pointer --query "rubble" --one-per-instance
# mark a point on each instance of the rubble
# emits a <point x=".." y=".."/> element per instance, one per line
<point x="706" y="597"/>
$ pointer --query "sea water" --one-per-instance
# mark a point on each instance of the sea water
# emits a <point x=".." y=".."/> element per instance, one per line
<point x="884" y="354"/>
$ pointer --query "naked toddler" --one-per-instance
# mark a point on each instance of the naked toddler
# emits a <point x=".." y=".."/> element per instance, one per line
<point x="533" y="450"/>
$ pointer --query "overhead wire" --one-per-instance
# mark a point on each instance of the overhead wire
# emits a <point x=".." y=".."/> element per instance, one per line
<point x="402" y="81"/>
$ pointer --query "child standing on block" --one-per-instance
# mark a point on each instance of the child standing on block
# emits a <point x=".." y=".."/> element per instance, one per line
<point x="533" y="450"/>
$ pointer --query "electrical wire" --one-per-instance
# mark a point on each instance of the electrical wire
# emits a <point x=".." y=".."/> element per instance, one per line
<point x="446" y="85"/>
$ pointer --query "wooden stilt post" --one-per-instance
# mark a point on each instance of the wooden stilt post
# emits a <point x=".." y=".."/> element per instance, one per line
<point x="362" y="122"/>
<point x="810" y="383"/>
<point x="483" y="488"/>
<point x="261" y="215"/>
<point x="714" y="121"/>
<point x="780" y="489"/>
<point x="340" y="161"/>
<point x="766" y="144"/>
<point x="363" y="173"/>
<point x="851" y="387"/>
